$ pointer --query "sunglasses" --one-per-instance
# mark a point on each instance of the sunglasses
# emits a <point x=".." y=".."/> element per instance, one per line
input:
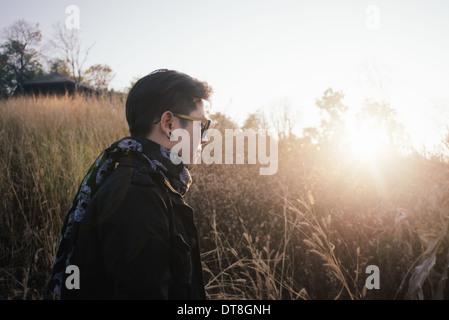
<point x="205" y="123"/>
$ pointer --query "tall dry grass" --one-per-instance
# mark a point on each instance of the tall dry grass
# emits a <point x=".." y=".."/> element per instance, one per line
<point x="307" y="232"/>
<point x="46" y="146"/>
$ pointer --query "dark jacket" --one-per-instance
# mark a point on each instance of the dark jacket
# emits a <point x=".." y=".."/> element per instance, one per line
<point x="137" y="240"/>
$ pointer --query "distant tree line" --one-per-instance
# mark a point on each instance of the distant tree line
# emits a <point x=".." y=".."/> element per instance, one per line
<point x="329" y="136"/>
<point x="23" y="57"/>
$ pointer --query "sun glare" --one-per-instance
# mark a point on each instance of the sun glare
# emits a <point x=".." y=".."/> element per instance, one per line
<point x="367" y="141"/>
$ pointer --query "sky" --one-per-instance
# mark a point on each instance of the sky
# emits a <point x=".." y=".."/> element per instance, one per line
<point x="260" y="55"/>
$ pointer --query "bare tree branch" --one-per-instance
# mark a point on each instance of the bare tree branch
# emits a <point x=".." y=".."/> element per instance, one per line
<point x="68" y="43"/>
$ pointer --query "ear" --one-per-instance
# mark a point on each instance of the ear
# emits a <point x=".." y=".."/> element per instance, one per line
<point x="167" y="123"/>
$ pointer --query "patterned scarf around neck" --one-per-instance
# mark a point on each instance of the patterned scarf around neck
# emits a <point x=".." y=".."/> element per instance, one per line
<point x="158" y="158"/>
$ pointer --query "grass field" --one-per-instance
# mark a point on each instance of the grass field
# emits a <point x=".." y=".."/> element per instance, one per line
<point x="308" y="232"/>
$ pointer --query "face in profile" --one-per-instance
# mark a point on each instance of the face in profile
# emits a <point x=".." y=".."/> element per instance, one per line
<point x="191" y="135"/>
<point x="196" y="140"/>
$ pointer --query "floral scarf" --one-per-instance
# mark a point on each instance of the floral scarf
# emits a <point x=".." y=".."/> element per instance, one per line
<point x="158" y="158"/>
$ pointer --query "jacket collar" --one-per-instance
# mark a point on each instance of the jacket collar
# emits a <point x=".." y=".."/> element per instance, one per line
<point x="176" y="176"/>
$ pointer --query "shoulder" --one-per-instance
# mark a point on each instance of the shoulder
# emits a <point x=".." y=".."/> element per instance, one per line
<point x="126" y="177"/>
<point x="131" y="187"/>
<point x="129" y="197"/>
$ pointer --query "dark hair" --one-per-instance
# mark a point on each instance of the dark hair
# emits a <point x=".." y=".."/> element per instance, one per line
<point x="160" y="91"/>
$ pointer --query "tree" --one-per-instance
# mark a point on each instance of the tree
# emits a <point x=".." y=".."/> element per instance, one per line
<point x="221" y="122"/>
<point x="332" y="124"/>
<point x="5" y="78"/>
<point x="99" y="76"/>
<point x="255" y="121"/>
<point x="68" y="43"/>
<point x="283" y="118"/>
<point x="384" y="115"/>
<point x="18" y="56"/>
<point x="60" y="66"/>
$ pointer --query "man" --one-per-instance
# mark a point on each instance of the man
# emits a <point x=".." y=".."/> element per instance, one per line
<point x="129" y="231"/>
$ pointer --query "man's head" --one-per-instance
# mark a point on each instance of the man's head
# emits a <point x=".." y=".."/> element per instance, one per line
<point x="157" y="102"/>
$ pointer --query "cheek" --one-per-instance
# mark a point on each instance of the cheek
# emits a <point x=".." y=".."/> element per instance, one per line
<point x="195" y="143"/>
<point x="195" y="136"/>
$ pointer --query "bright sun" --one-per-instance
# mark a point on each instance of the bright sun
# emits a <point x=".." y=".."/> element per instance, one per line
<point x="367" y="140"/>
